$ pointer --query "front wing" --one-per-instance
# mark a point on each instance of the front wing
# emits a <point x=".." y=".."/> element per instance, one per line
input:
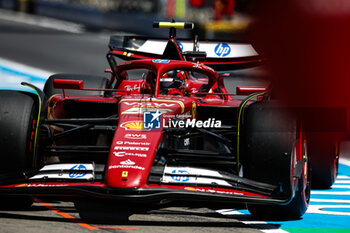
<point x="150" y="192"/>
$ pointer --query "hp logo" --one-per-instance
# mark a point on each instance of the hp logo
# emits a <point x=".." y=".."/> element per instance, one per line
<point x="222" y="49"/>
<point x="180" y="178"/>
<point x="77" y="171"/>
<point x="180" y="45"/>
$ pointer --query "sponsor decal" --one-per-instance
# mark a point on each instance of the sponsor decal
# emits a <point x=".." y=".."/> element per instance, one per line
<point x="126" y="116"/>
<point x="194" y="108"/>
<point x="123" y="153"/>
<point x="192" y="175"/>
<point x="197" y="65"/>
<point x="141" y="110"/>
<point x="152" y="103"/>
<point x="125" y="174"/>
<point x="135" y="136"/>
<point x="40" y="185"/>
<point x="211" y="191"/>
<point x="180" y="45"/>
<point x="119" y="154"/>
<point x="151" y="120"/>
<point x="156" y="105"/>
<point x="133" y="143"/>
<point x="77" y="171"/>
<point x="160" y="61"/>
<point x="222" y="49"/>
<point x="137" y="148"/>
<point x="180" y="178"/>
<point x="132" y="125"/>
<point x="126" y="166"/>
<point x="136" y="87"/>
<point x="127" y="162"/>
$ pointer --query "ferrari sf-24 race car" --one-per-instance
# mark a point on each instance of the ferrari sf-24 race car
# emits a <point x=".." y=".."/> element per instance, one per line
<point x="163" y="128"/>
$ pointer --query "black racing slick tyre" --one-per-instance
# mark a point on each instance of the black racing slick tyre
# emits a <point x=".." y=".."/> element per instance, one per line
<point x="17" y="139"/>
<point x="90" y="81"/>
<point x="273" y="149"/>
<point x="324" y="159"/>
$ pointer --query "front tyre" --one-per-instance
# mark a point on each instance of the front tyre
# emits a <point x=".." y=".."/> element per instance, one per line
<point x="17" y="139"/>
<point x="275" y="152"/>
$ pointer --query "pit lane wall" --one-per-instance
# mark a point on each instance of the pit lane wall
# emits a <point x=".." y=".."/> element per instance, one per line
<point x="136" y="16"/>
<point x="130" y="16"/>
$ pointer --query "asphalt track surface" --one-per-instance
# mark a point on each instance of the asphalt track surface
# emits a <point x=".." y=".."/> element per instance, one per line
<point x="61" y="51"/>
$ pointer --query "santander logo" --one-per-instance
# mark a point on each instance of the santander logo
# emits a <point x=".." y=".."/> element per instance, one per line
<point x="127" y="162"/>
<point x="135" y="136"/>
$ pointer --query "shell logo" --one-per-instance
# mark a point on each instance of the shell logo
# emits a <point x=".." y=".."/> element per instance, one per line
<point x="132" y="125"/>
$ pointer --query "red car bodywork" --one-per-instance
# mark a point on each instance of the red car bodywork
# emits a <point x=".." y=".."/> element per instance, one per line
<point x="133" y="149"/>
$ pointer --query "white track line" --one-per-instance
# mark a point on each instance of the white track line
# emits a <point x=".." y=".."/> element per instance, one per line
<point x="341" y="186"/>
<point x="342" y="182"/>
<point x="253" y="222"/>
<point x="347" y="193"/>
<point x="344" y="161"/>
<point x="343" y="177"/>
<point x="329" y="200"/>
<point x="13" y="73"/>
<point x="25" y="69"/>
<point x="320" y="209"/>
<point x="41" y="21"/>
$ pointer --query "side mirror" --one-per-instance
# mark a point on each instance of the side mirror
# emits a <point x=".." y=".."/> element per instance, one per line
<point x="68" y="84"/>
<point x="240" y="90"/>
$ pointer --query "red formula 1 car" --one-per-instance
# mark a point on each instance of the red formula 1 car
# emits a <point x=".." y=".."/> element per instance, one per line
<point x="160" y="130"/>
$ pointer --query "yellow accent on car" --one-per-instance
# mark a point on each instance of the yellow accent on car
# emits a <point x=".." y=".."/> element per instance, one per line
<point x="37" y="123"/>
<point x="194" y="108"/>
<point x="134" y="125"/>
<point x="125" y="174"/>
<point x="177" y="25"/>
<point x="239" y="123"/>
<point x="171" y="25"/>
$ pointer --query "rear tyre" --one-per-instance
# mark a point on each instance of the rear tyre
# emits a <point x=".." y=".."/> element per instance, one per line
<point x="90" y="81"/>
<point x="325" y="159"/>
<point x="18" y="124"/>
<point x="272" y="150"/>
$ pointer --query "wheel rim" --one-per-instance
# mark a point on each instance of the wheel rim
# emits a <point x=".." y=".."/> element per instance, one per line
<point x="306" y="178"/>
